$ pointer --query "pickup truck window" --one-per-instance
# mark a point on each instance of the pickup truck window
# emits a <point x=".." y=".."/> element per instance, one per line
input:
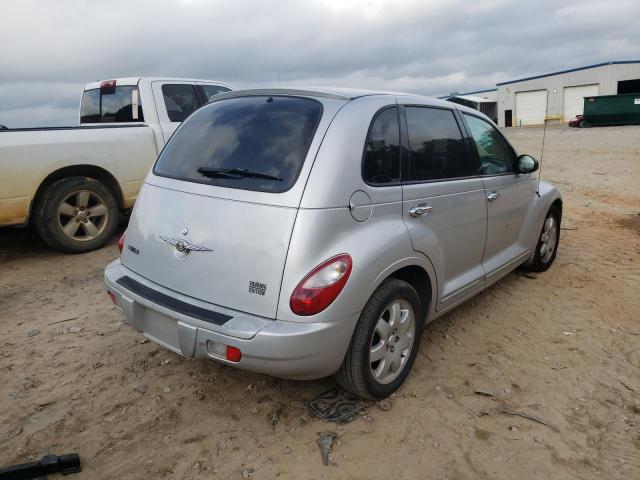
<point x="211" y="91"/>
<point x="181" y="101"/>
<point x="254" y="143"/>
<point x="123" y="105"/>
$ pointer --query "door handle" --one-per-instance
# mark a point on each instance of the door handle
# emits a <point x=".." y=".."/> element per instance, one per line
<point x="493" y="196"/>
<point x="420" y="210"/>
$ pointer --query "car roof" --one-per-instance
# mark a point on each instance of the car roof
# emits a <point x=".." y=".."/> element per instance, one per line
<point x="339" y="93"/>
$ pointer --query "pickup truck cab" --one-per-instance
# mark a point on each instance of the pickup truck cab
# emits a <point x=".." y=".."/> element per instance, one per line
<point x="72" y="182"/>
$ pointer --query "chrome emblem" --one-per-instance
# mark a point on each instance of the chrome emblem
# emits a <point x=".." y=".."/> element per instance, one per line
<point x="184" y="246"/>
<point x="184" y="231"/>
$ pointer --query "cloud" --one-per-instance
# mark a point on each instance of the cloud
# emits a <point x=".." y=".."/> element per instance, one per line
<point x="50" y="49"/>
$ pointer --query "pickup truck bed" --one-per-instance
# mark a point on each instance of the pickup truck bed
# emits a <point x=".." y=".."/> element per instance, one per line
<point x="71" y="182"/>
<point x="29" y="155"/>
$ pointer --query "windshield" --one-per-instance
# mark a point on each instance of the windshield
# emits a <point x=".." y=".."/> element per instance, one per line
<point x="251" y="143"/>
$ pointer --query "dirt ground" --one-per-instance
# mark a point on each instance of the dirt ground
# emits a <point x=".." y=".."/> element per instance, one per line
<point x="563" y="346"/>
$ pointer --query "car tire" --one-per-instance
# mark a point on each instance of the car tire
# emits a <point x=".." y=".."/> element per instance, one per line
<point x="392" y="302"/>
<point x="76" y="214"/>
<point x="548" y="241"/>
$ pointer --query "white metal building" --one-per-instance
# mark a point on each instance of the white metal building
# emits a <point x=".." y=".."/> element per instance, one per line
<point x="485" y="101"/>
<point x="560" y="95"/>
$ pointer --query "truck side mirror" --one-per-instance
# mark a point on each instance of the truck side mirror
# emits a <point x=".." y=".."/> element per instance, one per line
<point x="527" y="164"/>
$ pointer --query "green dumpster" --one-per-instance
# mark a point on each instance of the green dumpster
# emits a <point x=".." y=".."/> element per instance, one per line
<point x="611" y="110"/>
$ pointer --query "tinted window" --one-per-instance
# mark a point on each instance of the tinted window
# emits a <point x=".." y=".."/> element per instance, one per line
<point x="90" y="106"/>
<point x="496" y="156"/>
<point x="121" y="104"/>
<point x="382" y="155"/>
<point x="212" y="90"/>
<point x="264" y="135"/>
<point x="436" y="146"/>
<point x="180" y="100"/>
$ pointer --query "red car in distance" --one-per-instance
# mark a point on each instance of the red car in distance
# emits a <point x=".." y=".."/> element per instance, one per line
<point x="576" y="121"/>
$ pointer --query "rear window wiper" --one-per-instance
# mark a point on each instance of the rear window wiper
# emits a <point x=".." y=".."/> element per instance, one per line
<point x="234" y="173"/>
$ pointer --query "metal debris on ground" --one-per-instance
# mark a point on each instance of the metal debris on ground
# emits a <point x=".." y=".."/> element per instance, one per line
<point x="385" y="404"/>
<point x="33" y="333"/>
<point x="483" y="393"/>
<point x="337" y="406"/>
<point x="273" y="417"/>
<point x="325" y="442"/>
<point x="509" y="411"/>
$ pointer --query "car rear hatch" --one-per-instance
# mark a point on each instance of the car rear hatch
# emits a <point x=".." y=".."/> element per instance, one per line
<point x="214" y="218"/>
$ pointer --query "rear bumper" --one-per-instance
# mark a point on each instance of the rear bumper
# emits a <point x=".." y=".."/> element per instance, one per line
<point x="296" y="350"/>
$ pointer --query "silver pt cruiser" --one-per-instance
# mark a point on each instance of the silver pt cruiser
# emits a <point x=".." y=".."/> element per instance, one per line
<point x="305" y="233"/>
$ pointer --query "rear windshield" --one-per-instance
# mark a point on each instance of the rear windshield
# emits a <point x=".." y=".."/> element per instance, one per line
<point x="121" y="104"/>
<point x="252" y="143"/>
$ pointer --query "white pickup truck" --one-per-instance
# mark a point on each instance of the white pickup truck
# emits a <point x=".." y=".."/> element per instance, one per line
<point x="72" y="182"/>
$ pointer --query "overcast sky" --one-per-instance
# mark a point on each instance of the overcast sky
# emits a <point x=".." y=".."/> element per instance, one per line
<point x="50" y="49"/>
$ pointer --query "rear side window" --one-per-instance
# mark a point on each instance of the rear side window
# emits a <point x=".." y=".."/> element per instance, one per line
<point x="382" y="153"/>
<point x="252" y="143"/>
<point x="211" y="91"/>
<point x="114" y="105"/>
<point x="496" y="156"/>
<point x="180" y="100"/>
<point x="437" y="150"/>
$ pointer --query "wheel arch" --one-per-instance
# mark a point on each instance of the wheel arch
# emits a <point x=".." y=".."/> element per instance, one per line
<point x="418" y="272"/>
<point x="419" y="279"/>
<point x="88" y="171"/>
<point x="558" y="204"/>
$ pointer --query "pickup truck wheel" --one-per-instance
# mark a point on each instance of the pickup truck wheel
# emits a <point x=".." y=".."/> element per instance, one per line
<point x="547" y="245"/>
<point x="385" y="342"/>
<point x="76" y="215"/>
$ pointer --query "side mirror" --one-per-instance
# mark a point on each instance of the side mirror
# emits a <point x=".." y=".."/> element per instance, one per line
<point x="527" y="164"/>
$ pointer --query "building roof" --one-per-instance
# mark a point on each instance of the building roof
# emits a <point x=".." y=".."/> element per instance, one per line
<point x="586" y="67"/>
<point x="472" y="98"/>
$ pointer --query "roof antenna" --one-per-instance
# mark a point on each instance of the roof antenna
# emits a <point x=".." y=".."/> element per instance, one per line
<point x="544" y="135"/>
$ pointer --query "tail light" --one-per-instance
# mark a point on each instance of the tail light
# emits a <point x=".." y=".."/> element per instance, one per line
<point x="321" y="286"/>
<point x="121" y="242"/>
<point x="108" y="87"/>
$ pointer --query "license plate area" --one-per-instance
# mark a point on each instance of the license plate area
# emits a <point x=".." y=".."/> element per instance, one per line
<point x="161" y="329"/>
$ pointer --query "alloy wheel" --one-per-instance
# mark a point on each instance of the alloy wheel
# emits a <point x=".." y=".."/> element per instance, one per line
<point x="548" y="238"/>
<point x="83" y="215"/>
<point x="392" y="341"/>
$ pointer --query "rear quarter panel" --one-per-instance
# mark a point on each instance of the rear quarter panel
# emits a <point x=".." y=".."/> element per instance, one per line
<point x="324" y="225"/>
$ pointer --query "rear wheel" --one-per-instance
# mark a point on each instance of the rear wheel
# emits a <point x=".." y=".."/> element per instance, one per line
<point x="76" y="215"/>
<point x="385" y="342"/>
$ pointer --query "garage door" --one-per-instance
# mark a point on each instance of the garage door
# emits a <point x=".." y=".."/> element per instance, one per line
<point x="531" y="107"/>
<point x="574" y="99"/>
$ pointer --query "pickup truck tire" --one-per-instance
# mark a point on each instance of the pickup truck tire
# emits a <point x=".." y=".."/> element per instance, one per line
<point x="76" y="214"/>
<point x="385" y="342"/>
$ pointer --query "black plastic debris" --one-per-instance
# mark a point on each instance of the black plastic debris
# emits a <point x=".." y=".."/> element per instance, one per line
<point x="64" y="464"/>
<point x="337" y="406"/>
